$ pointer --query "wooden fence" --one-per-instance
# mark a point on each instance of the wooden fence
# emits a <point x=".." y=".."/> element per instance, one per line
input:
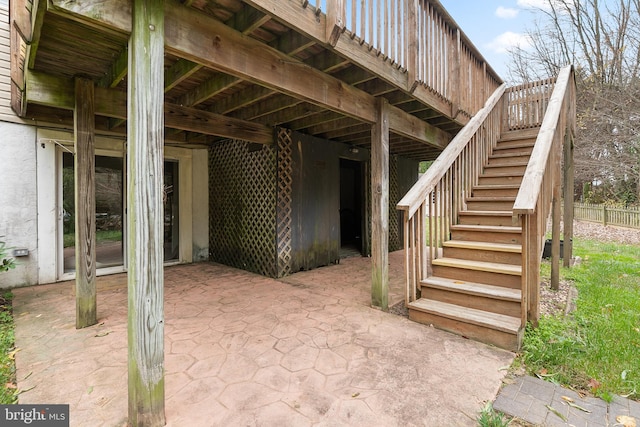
<point x="608" y="215"/>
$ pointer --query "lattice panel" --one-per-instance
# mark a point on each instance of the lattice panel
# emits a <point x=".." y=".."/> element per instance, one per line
<point x="283" y="207"/>
<point x="394" y="198"/>
<point x="242" y="206"/>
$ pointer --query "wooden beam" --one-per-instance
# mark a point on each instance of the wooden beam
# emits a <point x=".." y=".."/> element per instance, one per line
<point x="117" y="71"/>
<point x="194" y="120"/>
<point x="54" y="91"/>
<point x="380" y="207"/>
<point x="179" y="72"/>
<point x="38" y="9"/>
<point x="145" y="166"/>
<point x="229" y="51"/>
<point x="204" y="91"/>
<point x="85" y="203"/>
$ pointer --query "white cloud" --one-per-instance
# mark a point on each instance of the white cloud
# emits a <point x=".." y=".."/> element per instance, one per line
<point x="506" y="12"/>
<point x="537" y="4"/>
<point x="508" y="40"/>
<point x="544" y="4"/>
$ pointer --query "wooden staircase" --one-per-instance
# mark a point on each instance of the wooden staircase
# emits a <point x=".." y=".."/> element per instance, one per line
<point x="474" y="288"/>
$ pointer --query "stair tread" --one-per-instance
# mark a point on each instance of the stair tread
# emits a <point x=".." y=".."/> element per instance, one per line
<point x="519" y="163"/>
<point x="486" y="213"/>
<point x="493" y="228"/>
<point x="499" y="155"/>
<point x="502" y="175"/>
<point x="513" y="135"/>
<point x="492" y="267"/>
<point x="472" y="288"/>
<point x="486" y="319"/>
<point x="490" y="246"/>
<point x="491" y="198"/>
<point x="504" y="144"/>
<point x="495" y="186"/>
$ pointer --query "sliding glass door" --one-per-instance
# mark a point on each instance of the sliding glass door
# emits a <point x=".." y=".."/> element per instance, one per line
<point x="111" y="212"/>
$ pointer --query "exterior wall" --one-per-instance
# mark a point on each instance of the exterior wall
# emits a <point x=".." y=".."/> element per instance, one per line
<point x="29" y="205"/>
<point x="200" y="205"/>
<point x="18" y="201"/>
<point x="18" y="197"/>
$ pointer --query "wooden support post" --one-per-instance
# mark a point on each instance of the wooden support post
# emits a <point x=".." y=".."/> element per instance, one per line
<point x="336" y="18"/>
<point x="555" y="238"/>
<point x="380" y="207"/>
<point x="413" y="47"/>
<point x="85" y="201"/>
<point x="568" y="199"/>
<point x="145" y="153"/>
<point x="533" y="274"/>
<point x="454" y="76"/>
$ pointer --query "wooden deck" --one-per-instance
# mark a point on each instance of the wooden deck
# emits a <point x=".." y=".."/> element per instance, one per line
<point x="237" y="69"/>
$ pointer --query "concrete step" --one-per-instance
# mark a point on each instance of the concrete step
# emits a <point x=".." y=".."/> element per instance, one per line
<point x="479" y="296"/>
<point x="497" y="329"/>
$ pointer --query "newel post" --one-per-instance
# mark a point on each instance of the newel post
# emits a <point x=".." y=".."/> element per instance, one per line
<point x="145" y="157"/>
<point x="380" y="207"/>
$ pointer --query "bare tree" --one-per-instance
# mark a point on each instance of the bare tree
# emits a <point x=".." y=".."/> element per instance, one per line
<point x="602" y="40"/>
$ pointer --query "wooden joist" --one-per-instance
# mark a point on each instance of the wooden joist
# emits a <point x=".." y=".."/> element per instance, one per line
<point x="44" y="89"/>
<point x="229" y="51"/>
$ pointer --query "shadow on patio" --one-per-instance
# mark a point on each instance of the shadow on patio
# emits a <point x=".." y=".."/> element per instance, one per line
<point x="242" y="349"/>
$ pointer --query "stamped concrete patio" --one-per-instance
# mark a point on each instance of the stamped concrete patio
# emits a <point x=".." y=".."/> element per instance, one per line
<point x="245" y="350"/>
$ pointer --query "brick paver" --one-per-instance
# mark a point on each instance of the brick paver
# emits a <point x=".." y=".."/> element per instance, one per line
<point x="545" y="404"/>
<point x="242" y="349"/>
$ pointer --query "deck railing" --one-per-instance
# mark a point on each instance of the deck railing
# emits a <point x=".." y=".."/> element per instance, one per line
<point x="541" y="182"/>
<point x="527" y="103"/>
<point x="421" y="39"/>
<point x="439" y="194"/>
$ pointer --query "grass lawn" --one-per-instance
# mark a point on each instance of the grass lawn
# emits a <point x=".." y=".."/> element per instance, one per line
<point x="101" y="236"/>
<point x="597" y="347"/>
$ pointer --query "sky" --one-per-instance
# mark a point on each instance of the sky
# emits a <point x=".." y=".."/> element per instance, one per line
<point x="494" y="26"/>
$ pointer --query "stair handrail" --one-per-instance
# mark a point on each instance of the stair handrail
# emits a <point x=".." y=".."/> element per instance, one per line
<point x="527" y="197"/>
<point x="440" y="193"/>
<point x="541" y="179"/>
<point x="416" y="195"/>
